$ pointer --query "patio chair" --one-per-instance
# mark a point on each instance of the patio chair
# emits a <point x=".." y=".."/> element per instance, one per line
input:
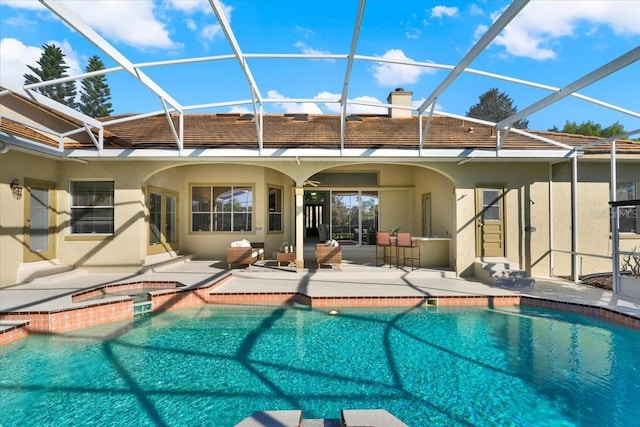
<point x="404" y="242"/>
<point x="329" y="253"/>
<point x="244" y="252"/>
<point x="383" y="240"/>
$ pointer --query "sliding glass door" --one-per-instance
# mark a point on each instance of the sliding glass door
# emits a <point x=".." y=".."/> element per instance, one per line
<point x="354" y="216"/>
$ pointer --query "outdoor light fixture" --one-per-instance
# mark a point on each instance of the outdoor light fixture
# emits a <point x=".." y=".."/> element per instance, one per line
<point x="16" y="188"/>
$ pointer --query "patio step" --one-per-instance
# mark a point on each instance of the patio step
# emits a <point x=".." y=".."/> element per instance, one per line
<point x="30" y="271"/>
<point x="163" y="261"/>
<point x="501" y="272"/>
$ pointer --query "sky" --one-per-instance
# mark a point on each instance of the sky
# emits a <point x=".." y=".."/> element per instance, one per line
<point x="550" y="42"/>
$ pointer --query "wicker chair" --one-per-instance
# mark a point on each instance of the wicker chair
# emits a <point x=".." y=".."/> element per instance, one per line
<point x="328" y="255"/>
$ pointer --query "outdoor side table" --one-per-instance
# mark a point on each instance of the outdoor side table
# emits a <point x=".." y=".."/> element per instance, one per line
<point x="287" y="257"/>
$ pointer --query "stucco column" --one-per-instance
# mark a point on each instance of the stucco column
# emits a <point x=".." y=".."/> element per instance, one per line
<point x="299" y="239"/>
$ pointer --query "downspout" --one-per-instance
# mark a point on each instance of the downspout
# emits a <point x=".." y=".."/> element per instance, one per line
<point x="615" y="222"/>
<point x="574" y="216"/>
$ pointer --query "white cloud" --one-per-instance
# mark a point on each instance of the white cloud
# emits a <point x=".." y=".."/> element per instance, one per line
<point x="24" y="4"/>
<point x="440" y="11"/>
<point x="366" y="109"/>
<point x="140" y="29"/>
<point x="206" y="32"/>
<point x="191" y="24"/>
<point x="329" y="107"/>
<point x="131" y="22"/>
<point x="294" y="107"/>
<point x="304" y="31"/>
<point x="542" y="23"/>
<point x="474" y="9"/>
<point x="413" y="33"/>
<point x="309" y="50"/>
<point x="190" y="7"/>
<point x="70" y="57"/>
<point x="240" y="110"/>
<point x="15" y="56"/>
<point x="389" y="74"/>
<point x="209" y="32"/>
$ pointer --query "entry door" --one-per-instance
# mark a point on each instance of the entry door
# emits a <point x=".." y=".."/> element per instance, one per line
<point x="40" y="221"/>
<point x="163" y="221"/>
<point x="490" y="222"/>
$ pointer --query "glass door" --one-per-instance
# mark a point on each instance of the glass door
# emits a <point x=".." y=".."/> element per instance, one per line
<point x="354" y="216"/>
<point x="163" y="221"/>
<point x="40" y="217"/>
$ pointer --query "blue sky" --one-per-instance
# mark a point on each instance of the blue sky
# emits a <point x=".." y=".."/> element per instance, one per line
<point x="551" y="42"/>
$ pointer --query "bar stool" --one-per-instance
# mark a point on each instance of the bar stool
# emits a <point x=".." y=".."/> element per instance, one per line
<point x="383" y="240"/>
<point x="405" y="241"/>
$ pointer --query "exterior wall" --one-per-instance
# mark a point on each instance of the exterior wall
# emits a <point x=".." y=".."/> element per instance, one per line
<point x="526" y="203"/>
<point x="14" y="164"/>
<point x="126" y="249"/>
<point x="530" y="200"/>
<point x="593" y="220"/>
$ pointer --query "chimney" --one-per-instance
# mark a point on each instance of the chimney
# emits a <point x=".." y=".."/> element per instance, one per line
<point x="400" y="97"/>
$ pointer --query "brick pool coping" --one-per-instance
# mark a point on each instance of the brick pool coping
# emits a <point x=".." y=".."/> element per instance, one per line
<point x="19" y="324"/>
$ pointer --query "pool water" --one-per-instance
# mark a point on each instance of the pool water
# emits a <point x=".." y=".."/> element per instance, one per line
<point x="216" y="365"/>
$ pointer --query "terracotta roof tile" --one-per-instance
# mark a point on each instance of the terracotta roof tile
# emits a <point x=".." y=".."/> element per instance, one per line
<point x="323" y="131"/>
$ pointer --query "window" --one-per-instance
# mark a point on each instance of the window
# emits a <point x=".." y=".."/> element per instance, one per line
<point x="227" y="208"/>
<point x="92" y="207"/>
<point x="275" y="209"/>
<point x="628" y="215"/>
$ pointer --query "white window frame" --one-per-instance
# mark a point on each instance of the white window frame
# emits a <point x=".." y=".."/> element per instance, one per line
<point x="212" y="211"/>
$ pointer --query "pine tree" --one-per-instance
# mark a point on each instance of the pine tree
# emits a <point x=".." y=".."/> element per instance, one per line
<point x="95" y="97"/>
<point x="53" y="66"/>
<point x="495" y="106"/>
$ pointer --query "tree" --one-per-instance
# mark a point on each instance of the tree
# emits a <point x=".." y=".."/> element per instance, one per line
<point x="95" y="97"/>
<point x="590" y="128"/>
<point x="53" y="66"/>
<point x="495" y="106"/>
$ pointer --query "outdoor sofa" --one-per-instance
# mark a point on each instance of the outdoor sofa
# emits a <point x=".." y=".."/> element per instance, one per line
<point x="329" y="253"/>
<point x="244" y="252"/>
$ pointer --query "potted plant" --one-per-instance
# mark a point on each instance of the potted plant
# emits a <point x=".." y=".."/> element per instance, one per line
<point x="394" y="230"/>
<point x="285" y="247"/>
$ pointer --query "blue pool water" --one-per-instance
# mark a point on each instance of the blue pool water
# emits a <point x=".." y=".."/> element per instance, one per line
<point x="430" y="367"/>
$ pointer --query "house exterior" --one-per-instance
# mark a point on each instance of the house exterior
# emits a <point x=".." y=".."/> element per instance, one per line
<point x="137" y="191"/>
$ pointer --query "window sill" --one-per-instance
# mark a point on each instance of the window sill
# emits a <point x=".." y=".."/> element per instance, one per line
<point x="627" y="236"/>
<point x="88" y="237"/>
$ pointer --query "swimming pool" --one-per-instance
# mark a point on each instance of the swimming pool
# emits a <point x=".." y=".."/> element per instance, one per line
<point x="428" y="366"/>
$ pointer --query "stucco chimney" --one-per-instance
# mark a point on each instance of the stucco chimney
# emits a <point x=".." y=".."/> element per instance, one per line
<point x="399" y="97"/>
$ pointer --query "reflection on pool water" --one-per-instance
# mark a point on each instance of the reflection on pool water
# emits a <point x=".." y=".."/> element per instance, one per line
<point x="216" y="365"/>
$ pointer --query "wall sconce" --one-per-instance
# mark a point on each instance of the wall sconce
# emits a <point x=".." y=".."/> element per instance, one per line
<point x="16" y="188"/>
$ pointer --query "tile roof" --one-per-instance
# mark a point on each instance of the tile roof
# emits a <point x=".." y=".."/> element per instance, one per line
<point x="323" y="131"/>
<point x="317" y="131"/>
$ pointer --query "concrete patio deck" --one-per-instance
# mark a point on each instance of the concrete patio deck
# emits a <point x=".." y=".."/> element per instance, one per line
<point x="354" y="280"/>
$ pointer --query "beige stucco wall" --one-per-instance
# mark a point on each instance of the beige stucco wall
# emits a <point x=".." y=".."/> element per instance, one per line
<point x="529" y="200"/>
<point x="14" y="164"/>
<point x="526" y="203"/>
<point x="594" y="244"/>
